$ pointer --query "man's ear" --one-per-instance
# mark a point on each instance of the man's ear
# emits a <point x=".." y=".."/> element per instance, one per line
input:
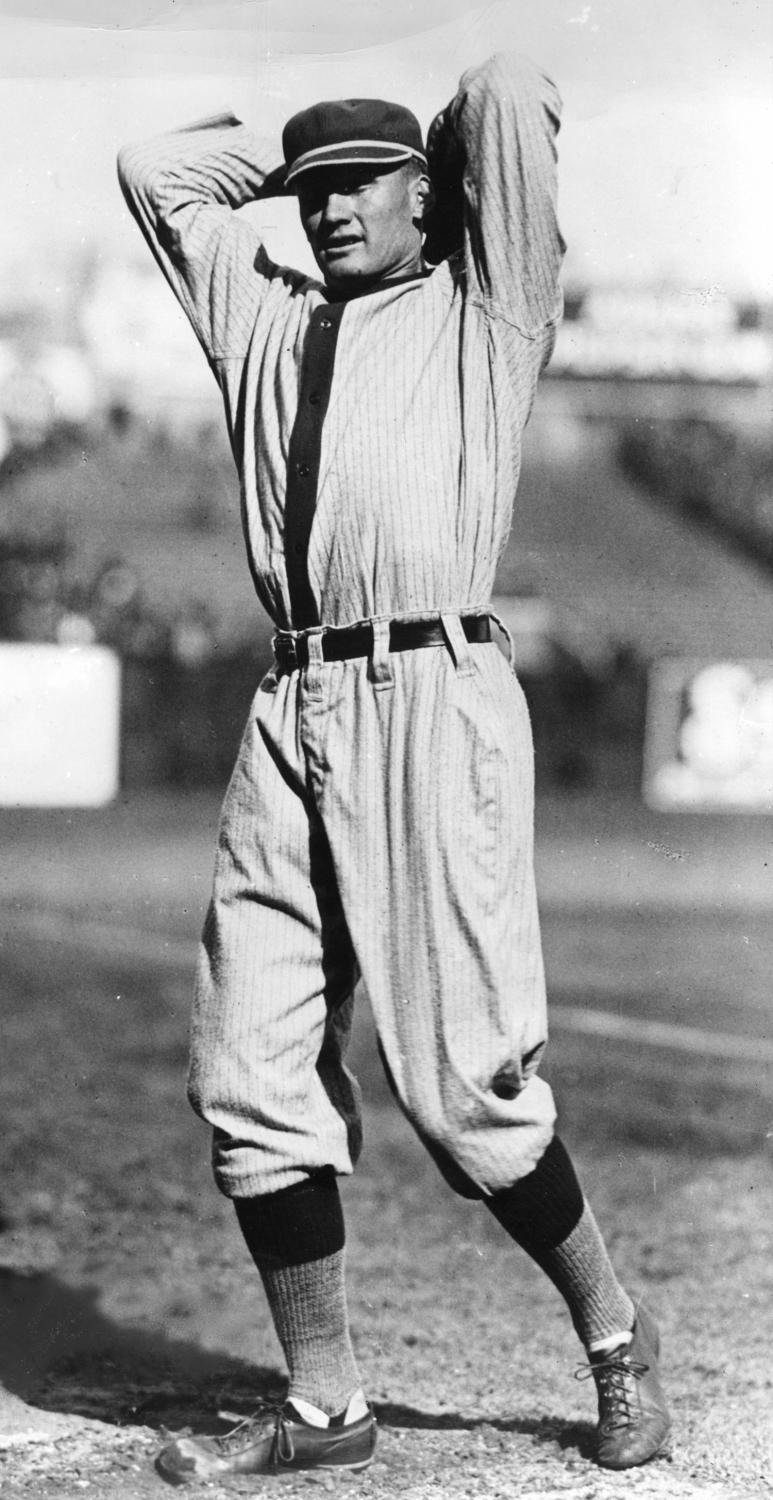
<point x="424" y="198"/>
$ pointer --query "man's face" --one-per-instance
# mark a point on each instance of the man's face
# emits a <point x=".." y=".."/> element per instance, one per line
<point x="363" y="225"/>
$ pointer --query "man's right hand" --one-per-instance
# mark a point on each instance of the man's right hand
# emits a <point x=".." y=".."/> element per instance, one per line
<point x="273" y="185"/>
<point x="444" y="224"/>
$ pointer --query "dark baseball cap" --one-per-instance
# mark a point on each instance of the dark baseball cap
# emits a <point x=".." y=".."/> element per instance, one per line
<point x="343" y="132"/>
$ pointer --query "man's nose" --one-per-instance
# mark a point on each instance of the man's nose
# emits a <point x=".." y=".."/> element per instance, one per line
<point x="337" y="208"/>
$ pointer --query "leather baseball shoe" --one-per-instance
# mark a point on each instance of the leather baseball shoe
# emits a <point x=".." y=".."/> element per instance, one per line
<point x="271" y="1442"/>
<point x="633" y="1417"/>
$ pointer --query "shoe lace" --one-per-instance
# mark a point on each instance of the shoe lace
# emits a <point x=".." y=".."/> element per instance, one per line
<point x="256" y="1421"/>
<point x="616" y="1379"/>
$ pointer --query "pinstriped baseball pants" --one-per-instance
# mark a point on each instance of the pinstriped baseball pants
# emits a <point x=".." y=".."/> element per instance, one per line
<point x="379" y="821"/>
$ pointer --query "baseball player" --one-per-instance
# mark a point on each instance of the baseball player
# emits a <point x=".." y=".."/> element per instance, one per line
<point x="378" y="822"/>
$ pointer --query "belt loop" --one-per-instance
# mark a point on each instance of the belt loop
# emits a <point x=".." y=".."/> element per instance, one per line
<point x="284" y="648"/>
<point x="458" y="645"/>
<point x="508" y="637"/>
<point x="313" y="678"/>
<point x="380" y="665"/>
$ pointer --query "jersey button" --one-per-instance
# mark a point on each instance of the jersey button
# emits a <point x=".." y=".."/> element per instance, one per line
<point x="325" y="323"/>
<point x="303" y="470"/>
<point x="314" y="398"/>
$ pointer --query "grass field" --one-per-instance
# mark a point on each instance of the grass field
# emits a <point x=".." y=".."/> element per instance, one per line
<point x="127" y="1295"/>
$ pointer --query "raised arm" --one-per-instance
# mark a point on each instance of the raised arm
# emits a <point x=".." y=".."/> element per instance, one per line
<point x="184" y="189"/>
<point x="492" y="155"/>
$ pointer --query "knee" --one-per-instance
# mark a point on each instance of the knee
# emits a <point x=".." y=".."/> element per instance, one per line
<point x="495" y="1141"/>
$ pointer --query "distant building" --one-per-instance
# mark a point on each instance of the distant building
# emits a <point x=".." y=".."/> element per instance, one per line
<point x="667" y="334"/>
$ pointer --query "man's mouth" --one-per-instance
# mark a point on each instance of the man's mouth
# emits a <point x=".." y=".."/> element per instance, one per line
<point x="340" y="246"/>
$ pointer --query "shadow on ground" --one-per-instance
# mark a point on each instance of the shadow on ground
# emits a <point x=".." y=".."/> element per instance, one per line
<point x="59" y="1352"/>
<point x="579" y="1435"/>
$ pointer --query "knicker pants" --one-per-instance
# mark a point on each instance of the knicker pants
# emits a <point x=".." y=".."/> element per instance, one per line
<point x="379" y="820"/>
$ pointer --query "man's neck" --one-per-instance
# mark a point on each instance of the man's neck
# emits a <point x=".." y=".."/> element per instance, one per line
<point x="345" y="291"/>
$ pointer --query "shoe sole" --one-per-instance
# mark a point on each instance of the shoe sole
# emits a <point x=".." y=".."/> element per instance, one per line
<point x="179" y="1479"/>
<point x="173" y="1477"/>
<point x="662" y="1452"/>
<point x="362" y="1463"/>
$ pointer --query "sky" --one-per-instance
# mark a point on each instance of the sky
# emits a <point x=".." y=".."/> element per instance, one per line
<point x="666" y="151"/>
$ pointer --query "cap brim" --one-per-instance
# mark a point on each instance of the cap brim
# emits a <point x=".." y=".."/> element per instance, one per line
<point x="352" y="153"/>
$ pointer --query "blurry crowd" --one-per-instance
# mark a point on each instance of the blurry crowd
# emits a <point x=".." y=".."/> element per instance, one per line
<point x="45" y="597"/>
<point x="714" y="473"/>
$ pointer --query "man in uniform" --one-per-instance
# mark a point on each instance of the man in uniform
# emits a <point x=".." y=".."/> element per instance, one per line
<point x="379" y="817"/>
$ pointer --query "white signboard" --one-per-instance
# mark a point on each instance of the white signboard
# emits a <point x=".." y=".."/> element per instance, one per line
<point x="709" y="740"/>
<point x="59" y="725"/>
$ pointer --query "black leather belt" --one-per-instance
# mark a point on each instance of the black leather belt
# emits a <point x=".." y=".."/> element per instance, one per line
<point x="344" y="642"/>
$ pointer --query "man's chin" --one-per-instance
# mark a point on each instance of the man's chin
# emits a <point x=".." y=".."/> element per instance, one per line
<point x="343" y="275"/>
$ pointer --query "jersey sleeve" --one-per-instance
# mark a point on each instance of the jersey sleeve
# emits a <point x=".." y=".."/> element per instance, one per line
<point x="501" y="130"/>
<point x="184" y="190"/>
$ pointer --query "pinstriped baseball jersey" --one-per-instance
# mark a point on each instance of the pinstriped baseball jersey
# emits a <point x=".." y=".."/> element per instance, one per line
<point x="417" y="444"/>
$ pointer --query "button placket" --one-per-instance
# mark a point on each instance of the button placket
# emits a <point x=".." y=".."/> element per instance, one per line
<point x="303" y="458"/>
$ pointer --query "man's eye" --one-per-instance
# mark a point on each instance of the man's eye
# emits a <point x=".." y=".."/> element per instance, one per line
<point x="312" y="202"/>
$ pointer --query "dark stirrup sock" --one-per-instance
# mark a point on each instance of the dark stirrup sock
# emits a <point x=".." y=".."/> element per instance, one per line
<point x="296" y="1239"/>
<point x="548" y="1216"/>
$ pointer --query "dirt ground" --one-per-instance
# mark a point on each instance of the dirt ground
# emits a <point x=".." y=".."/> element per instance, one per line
<point x="128" y="1306"/>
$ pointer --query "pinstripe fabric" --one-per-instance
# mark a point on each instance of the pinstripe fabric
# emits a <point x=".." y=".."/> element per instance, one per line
<point x="434" y="379"/>
<point x="381" y="809"/>
<point x="418" y="798"/>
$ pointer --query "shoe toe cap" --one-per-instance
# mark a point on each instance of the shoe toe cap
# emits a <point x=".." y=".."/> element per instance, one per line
<point x="183" y="1459"/>
<point x="624" y="1450"/>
